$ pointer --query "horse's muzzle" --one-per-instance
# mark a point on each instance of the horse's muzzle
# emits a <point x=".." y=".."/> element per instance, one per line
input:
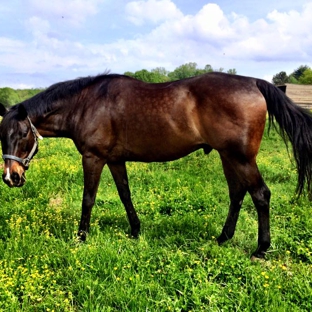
<point x="14" y="179"/>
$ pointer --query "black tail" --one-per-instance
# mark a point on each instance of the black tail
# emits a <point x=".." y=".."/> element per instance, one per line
<point x="295" y="125"/>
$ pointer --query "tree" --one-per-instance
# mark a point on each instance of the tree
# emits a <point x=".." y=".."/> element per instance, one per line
<point x="128" y="73"/>
<point x="280" y="78"/>
<point x="297" y="73"/>
<point x="184" y="71"/>
<point x="208" y="68"/>
<point x="25" y="94"/>
<point x="156" y="75"/>
<point x="160" y="74"/>
<point x="8" y="97"/>
<point x="232" y="71"/>
<point x="306" y="77"/>
<point x="143" y="75"/>
<point x="292" y="79"/>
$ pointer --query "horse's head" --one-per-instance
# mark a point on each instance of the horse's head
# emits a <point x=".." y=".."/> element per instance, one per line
<point x="19" y="144"/>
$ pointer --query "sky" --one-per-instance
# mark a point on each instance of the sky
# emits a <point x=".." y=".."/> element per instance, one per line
<point x="47" y="41"/>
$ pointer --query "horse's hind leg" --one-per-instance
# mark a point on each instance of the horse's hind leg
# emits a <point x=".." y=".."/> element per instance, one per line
<point x="242" y="177"/>
<point x="119" y="174"/>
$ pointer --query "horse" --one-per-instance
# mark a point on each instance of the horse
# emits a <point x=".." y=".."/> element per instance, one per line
<point x="114" y="118"/>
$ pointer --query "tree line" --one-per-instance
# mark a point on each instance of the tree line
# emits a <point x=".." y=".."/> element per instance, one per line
<point x="9" y="96"/>
<point x="160" y="74"/>
<point x="301" y="75"/>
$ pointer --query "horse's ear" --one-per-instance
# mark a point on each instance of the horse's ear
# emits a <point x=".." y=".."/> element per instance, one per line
<point x="3" y="110"/>
<point x="22" y="112"/>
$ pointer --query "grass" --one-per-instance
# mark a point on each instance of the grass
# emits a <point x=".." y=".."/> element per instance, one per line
<point x="176" y="264"/>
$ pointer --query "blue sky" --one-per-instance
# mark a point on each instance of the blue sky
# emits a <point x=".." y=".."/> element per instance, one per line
<point x="46" y="41"/>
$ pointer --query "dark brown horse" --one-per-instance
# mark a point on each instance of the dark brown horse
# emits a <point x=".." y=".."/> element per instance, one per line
<point x="113" y="119"/>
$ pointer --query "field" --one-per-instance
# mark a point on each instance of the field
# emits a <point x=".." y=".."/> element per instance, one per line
<point x="176" y="264"/>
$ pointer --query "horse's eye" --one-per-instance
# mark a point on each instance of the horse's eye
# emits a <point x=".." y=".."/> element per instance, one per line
<point x="23" y="133"/>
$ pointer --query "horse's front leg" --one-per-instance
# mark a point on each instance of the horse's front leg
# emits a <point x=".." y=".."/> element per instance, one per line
<point x="119" y="174"/>
<point x="92" y="169"/>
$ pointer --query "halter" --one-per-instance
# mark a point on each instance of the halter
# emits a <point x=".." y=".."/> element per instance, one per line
<point x="25" y="161"/>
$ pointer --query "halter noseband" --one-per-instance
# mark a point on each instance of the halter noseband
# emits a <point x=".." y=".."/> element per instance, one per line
<point x="25" y="161"/>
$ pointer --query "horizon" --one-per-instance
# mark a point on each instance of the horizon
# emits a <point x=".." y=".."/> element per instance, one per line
<point x="42" y="43"/>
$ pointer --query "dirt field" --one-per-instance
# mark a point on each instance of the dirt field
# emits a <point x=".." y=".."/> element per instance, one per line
<point x="300" y="94"/>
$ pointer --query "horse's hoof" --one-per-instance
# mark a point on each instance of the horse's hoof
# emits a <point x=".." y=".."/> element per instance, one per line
<point x="135" y="233"/>
<point x="221" y="239"/>
<point x="82" y="236"/>
<point x="258" y="256"/>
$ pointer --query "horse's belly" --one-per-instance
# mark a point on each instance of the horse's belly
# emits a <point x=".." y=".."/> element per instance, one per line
<point x="152" y="151"/>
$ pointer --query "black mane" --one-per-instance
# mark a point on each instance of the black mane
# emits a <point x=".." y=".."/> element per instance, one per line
<point x="44" y="101"/>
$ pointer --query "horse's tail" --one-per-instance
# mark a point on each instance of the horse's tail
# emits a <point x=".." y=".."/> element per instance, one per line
<point x="295" y="125"/>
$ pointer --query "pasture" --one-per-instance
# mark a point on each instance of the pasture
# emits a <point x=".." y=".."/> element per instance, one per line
<point x="176" y="264"/>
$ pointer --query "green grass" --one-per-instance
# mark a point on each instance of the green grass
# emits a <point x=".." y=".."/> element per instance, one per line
<point x="176" y="264"/>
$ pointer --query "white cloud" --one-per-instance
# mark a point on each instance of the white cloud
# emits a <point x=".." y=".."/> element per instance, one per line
<point x="229" y="41"/>
<point x="210" y="21"/>
<point x="10" y="45"/>
<point x="293" y="22"/>
<point x="37" y="26"/>
<point x="285" y="36"/>
<point x="73" y="11"/>
<point x="153" y="11"/>
<point x="207" y="37"/>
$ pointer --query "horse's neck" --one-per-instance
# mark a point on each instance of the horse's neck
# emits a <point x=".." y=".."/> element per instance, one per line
<point x="53" y="125"/>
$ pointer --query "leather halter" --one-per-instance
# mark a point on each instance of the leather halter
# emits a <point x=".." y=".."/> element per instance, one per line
<point x="25" y="161"/>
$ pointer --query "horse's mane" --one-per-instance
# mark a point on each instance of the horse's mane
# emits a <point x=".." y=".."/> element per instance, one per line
<point x="45" y="101"/>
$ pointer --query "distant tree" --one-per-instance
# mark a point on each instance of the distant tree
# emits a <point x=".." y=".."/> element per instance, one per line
<point x="160" y="74"/>
<point x="156" y="75"/>
<point x="8" y="97"/>
<point x="143" y="75"/>
<point x="25" y="94"/>
<point x="208" y="68"/>
<point x="232" y="71"/>
<point x="306" y="77"/>
<point x="297" y="73"/>
<point x="161" y="71"/>
<point x="184" y="71"/>
<point x="293" y="80"/>
<point x="280" y="78"/>
<point x="128" y="73"/>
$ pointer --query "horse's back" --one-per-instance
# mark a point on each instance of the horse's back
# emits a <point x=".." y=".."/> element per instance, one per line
<point x="158" y="122"/>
